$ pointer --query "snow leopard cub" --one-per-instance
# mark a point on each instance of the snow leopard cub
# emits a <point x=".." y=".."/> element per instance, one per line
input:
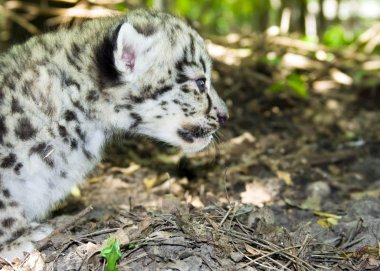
<point x="63" y="94"/>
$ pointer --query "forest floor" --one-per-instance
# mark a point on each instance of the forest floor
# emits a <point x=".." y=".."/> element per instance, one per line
<point x="294" y="183"/>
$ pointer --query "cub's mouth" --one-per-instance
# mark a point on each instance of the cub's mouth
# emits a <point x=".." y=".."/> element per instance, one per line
<point x="191" y="134"/>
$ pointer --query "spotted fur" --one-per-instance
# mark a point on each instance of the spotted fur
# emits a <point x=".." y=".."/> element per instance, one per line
<point x="64" y="94"/>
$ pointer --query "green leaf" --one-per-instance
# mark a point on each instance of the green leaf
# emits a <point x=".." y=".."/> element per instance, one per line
<point x="121" y="7"/>
<point x="335" y="37"/>
<point x="131" y="246"/>
<point x="297" y="84"/>
<point x="277" y="87"/>
<point x="111" y="252"/>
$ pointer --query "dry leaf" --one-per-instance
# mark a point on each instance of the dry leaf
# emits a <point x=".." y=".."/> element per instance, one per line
<point x="373" y="261"/>
<point x="35" y="261"/>
<point x="251" y="250"/>
<point x="149" y="183"/>
<point x="121" y="236"/>
<point x="256" y="193"/>
<point x="285" y="176"/>
<point x="328" y="215"/>
<point x="127" y="171"/>
<point x="327" y="222"/>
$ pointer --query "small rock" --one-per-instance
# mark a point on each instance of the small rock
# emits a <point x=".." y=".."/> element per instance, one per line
<point x="264" y="214"/>
<point x="318" y="189"/>
<point x="236" y="256"/>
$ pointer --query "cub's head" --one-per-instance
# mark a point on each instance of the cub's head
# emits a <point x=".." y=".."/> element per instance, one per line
<point x="163" y="75"/>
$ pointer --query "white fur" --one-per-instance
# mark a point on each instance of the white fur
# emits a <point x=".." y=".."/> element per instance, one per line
<point x="147" y="65"/>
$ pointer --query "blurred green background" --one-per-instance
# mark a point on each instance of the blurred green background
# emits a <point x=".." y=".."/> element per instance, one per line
<point x="334" y="22"/>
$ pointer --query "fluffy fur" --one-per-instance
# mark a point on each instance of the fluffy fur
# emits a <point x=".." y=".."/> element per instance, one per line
<point x="64" y="93"/>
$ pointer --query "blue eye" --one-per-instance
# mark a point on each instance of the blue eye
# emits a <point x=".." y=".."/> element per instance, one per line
<point x="201" y="84"/>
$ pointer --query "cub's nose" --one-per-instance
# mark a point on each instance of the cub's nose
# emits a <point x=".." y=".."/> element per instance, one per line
<point x="222" y="118"/>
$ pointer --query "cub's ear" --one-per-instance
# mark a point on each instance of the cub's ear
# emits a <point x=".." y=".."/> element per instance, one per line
<point x="132" y="49"/>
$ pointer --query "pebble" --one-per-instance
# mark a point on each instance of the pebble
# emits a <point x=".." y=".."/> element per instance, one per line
<point x="236" y="256"/>
<point x="319" y="189"/>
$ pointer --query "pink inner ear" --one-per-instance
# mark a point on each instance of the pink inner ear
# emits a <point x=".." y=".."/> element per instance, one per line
<point x="129" y="57"/>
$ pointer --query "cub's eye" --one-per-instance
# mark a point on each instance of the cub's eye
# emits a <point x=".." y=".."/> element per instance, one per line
<point x="201" y="84"/>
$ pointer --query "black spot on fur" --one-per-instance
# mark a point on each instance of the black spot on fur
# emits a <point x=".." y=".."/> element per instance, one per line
<point x="161" y="91"/>
<point x="17" y="168"/>
<point x="70" y="115"/>
<point x="186" y="136"/>
<point x="2" y="205"/>
<point x="147" y="89"/>
<point x="147" y="29"/>
<point x="63" y="174"/>
<point x="105" y="60"/>
<point x="72" y="60"/>
<point x="203" y="64"/>
<point x="185" y="89"/>
<point x="8" y="161"/>
<point x="162" y="81"/>
<point x="75" y="48"/>
<point x="137" y="119"/>
<point x="181" y="64"/>
<point x="38" y="148"/>
<point x="8" y="222"/>
<point x="15" y="106"/>
<point x="6" y="193"/>
<point x="62" y="131"/>
<point x="3" y="129"/>
<point x="92" y="96"/>
<point x="182" y="78"/>
<point x="79" y="132"/>
<point x="87" y="154"/>
<point x="13" y="203"/>
<point x="192" y="46"/>
<point x="152" y="95"/>
<point x="18" y="233"/>
<point x="137" y="99"/>
<point x="74" y="144"/>
<point x="120" y="107"/>
<point x="24" y="129"/>
<point x="213" y="125"/>
<point x="49" y="162"/>
<point x="70" y="82"/>
<point x="78" y="105"/>
<point x="209" y="105"/>
<point x="8" y="81"/>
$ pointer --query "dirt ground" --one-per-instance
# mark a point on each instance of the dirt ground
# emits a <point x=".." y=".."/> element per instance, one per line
<point x="292" y="183"/>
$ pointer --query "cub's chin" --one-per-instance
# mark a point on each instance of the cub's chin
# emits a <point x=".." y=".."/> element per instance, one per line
<point x="198" y="144"/>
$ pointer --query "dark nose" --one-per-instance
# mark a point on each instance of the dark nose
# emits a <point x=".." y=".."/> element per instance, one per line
<point x="222" y="118"/>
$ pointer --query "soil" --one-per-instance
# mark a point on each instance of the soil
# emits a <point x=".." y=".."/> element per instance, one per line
<point x="292" y="183"/>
